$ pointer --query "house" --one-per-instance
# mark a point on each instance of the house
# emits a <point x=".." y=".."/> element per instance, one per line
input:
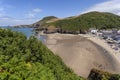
<point x="118" y="31"/>
<point x="106" y="31"/>
<point x="99" y="34"/>
<point x="93" y="30"/>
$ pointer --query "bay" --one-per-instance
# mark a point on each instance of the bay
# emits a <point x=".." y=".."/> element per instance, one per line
<point x="27" y="31"/>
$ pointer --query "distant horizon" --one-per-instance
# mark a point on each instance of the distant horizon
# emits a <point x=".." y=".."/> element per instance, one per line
<point x="19" y="12"/>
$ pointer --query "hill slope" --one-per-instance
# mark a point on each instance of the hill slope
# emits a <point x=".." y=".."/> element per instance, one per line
<point x="45" y="20"/>
<point x="82" y="23"/>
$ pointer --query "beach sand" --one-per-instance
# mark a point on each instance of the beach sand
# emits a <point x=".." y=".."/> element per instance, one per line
<point x="82" y="54"/>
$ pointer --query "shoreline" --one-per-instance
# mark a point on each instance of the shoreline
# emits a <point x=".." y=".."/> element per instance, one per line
<point x="104" y="45"/>
<point x="79" y="57"/>
<point x="108" y="55"/>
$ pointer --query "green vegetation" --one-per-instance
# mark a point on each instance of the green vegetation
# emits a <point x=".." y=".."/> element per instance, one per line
<point x="101" y="75"/>
<point x="48" y="18"/>
<point x="82" y="23"/>
<point x="29" y="59"/>
<point x="44" y="21"/>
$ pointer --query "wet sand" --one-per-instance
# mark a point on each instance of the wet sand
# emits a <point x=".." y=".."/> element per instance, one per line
<point x="81" y="54"/>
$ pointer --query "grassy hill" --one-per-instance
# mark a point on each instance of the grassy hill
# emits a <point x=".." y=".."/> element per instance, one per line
<point x="82" y="23"/>
<point x="45" y="20"/>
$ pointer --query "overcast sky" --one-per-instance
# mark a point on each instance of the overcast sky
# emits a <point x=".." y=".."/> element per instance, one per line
<point x="16" y="12"/>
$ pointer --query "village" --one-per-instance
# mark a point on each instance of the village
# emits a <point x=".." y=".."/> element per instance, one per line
<point x="111" y="37"/>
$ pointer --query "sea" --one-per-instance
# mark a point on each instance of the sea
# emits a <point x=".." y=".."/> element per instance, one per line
<point x="27" y="31"/>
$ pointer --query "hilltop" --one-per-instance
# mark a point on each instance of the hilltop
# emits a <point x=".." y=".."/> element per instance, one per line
<point x="45" y="20"/>
<point x="81" y="23"/>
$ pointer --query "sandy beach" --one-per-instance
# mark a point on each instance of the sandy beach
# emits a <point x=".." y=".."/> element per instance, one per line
<point x="82" y="53"/>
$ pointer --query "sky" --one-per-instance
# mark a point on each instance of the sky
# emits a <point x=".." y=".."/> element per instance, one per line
<point x="18" y="12"/>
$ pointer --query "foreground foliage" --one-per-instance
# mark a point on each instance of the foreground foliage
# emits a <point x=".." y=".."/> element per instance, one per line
<point x="101" y="75"/>
<point x="29" y="59"/>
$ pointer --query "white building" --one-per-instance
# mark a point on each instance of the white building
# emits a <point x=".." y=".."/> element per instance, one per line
<point x="118" y="31"/>
<point x="93" y="30"/>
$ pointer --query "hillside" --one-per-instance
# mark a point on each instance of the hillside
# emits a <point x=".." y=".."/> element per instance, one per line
<point x="82" y="23"/>
<point x="45" y="20"/>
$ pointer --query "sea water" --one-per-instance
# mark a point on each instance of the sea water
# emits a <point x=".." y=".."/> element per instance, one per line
<point x="27" y="31"/>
